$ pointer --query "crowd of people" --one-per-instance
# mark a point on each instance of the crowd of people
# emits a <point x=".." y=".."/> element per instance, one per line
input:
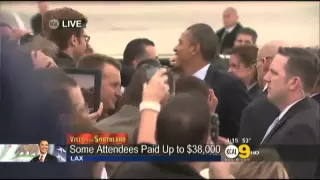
<point x="268" y="94"/>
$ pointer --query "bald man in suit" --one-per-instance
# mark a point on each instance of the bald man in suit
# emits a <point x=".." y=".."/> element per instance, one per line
<point x="227" y="35"/>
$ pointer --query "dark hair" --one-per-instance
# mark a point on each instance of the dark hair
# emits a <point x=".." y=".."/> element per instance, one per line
<point x="302" y="63"/>
<point x="247" y="54"/>
<point x="135" y="49"/>
<point x="188" y="84"/>
<point x="316" y="52"/>
<point x="205" y="36"/>
<point x="42" y="141"/>
<point x="250" y="32"/>
<point x="179" y="123"/>
<point x="61" y="36"/>
<point x="151" y="62"/>
<point x="133" y="92"/>
<point x="96" y="61"/>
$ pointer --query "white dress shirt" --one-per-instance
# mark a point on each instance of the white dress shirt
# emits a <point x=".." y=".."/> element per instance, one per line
<point x="314" y="94"/>
<point x="201" y="73"/>
<point x="251" y="86"/>
<point x="230" y="29"/>
<point x="43" y="156"/>
<point x="104" y="174"/>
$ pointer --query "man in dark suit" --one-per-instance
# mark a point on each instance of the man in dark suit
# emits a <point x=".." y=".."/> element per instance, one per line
<point x="259" y="114"/>
<point x="36" y="20"/>
<point x="292" y="76"/>
<point x="197" y="47"/>
<point x="228" y="33"/>
<point x="44" y="155"/>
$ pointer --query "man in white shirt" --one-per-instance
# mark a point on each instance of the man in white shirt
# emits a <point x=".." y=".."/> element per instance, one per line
<point x="291" y="78"/>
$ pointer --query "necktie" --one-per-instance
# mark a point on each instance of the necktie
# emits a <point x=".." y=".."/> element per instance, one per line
<point x="41" y="158"/>
<point x="224" y="35"/>
<point x="274" y="123"/>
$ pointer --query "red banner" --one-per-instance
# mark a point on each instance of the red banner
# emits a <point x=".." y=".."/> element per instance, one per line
<point x="100" y="138"/>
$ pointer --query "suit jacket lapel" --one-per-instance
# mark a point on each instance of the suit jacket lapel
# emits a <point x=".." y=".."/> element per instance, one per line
<point x="292" y="111"/>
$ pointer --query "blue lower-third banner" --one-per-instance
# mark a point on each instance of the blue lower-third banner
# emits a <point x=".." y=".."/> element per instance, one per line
<point x="91" y="158"/>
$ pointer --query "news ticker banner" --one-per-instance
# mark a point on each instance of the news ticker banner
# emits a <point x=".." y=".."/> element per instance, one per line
<point x="114" y="147"/>
<point x="25" y="152"/>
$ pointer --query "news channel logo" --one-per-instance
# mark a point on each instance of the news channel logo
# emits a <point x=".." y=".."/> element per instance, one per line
<point x="243" y="152"/>
<point x="54" y="24"/>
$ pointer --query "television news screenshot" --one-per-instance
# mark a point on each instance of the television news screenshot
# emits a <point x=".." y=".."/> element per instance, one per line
<point x="159" y="90"/>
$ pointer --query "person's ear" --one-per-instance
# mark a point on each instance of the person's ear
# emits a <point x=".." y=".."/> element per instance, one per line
<point x="74" y="40"/>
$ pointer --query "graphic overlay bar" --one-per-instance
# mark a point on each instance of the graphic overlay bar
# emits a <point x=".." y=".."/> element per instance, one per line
<point x="159" y="158"/>
<point x="26" y="152"/>
<point x="297" y="153"/>
<point x="142" y="149"/>
<point x="100" y="138"/>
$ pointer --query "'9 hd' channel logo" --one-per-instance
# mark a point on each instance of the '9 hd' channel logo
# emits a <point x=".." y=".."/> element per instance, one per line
<point x="242" y="152"/>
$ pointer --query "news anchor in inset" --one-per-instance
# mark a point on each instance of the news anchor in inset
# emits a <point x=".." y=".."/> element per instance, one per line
<point x="44" y="155"/>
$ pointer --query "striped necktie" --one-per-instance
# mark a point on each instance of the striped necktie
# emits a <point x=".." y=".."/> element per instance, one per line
<point x="274" y="123"/>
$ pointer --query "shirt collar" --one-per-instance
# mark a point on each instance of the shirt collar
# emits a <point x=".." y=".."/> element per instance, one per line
<point x="44" y="155"/>
<point x="229" y="30"/>
<point x="287" y="108"/>
<point x="312" y="95"/>
<point x="201" y="73"/>
<point x="252" y="85"/>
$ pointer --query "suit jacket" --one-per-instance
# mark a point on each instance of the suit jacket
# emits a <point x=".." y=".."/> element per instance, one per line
<point x="299" y="126"/>
<point x="63" y="60"/>
<point x="227" y="42"/>
<point x="254" y="91"/>
<point x="126" y="120"/>
<point x="221" y="64"/>
<point x="317" y="98"/>
<point x="256" y="119"/>
<point x="36" y="24"/>
<point x="233" y="98"/>
<point x="49" y="158"/>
